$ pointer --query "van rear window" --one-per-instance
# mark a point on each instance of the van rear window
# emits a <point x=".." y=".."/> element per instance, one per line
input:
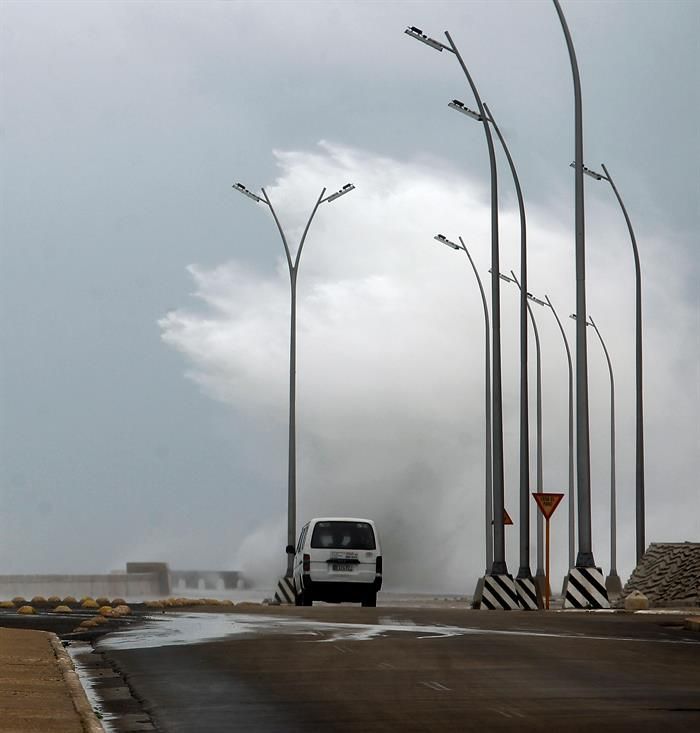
<point x="343" y="536"/>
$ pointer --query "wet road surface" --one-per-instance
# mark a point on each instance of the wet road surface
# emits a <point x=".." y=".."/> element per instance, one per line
<point x="326" y="668"/>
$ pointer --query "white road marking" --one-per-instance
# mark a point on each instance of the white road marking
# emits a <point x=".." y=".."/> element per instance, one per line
<point x="385" y="665"/>
<point x="437" y="686"/>
<point x="389" y="620"/>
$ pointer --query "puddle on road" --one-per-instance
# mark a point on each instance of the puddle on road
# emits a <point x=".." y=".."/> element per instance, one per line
<point x="193" y="628"/>
<point x="79" y="652"/>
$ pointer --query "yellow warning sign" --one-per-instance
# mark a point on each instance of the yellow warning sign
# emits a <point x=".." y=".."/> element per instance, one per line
<point x="547" y="503"/>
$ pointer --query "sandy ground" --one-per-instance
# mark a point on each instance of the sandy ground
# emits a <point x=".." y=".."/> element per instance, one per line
<point x="34" y="697"/>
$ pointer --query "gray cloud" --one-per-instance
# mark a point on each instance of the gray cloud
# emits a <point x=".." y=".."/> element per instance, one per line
<point x="390" y="365"/>
<point x="123" y="126"/>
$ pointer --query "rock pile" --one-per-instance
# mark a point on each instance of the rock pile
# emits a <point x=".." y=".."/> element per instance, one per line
<point x="668" y="575"/>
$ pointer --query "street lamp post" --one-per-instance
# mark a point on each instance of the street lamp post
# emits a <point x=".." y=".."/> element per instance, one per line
<point x="585" y="587"/>
<point x="639" y="401"/>
<point x="293" y="266"/>
<point x="488" y="489"/>
<point x="525" y="587"/>
<point x="583" y="458"/>
<point x="612" y="582"/>
<point x="572" y="534"/>
<point x="539" y="571"/>
<point x="503" y="595"/>
<point x="524" y="574"/>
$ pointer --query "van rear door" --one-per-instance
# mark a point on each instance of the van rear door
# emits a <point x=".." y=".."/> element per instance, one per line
<point x="343" y="550"/>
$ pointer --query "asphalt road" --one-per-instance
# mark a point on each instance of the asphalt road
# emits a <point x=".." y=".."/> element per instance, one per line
<point x="330" y="669"/>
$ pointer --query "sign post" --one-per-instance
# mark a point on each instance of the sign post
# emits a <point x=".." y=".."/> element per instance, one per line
<point x="547" y="503"/>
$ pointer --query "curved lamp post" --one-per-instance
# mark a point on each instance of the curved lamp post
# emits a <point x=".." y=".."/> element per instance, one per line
<point x="639" y="477"/>
<point x="572" y="534"/>
<point x="524" y="566"/>
<point x="612" y="582"/>
<point x="293" y="266"/>
<point x="524" y="560"/>
<point x="539" y="571"/>
<point x="639" y="474"/>
<point x="584" y="558"/>
<point x="488" y="489"/>
<point x="499" y="566"/>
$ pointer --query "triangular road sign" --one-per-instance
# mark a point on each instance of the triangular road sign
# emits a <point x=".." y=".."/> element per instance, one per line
<point x="506" y="518"/>
<point x="547" y="503"/>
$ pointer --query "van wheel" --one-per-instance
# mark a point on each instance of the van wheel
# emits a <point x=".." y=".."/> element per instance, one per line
<point x="370" y="600"/>
<point x="307" y="599"/>
<point x="298" y="599"/>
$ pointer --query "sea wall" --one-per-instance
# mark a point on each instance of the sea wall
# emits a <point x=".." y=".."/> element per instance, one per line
<point x="112" y="585"/>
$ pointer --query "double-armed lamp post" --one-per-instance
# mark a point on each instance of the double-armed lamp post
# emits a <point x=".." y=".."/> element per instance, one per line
<point x="293" y="266"/>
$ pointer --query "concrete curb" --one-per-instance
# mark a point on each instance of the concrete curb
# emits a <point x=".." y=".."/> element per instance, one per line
<point x="89" y="720"/>
<point x="692" y="623"/>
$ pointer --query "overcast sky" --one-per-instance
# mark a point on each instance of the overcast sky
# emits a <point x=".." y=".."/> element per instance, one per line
<point x="144" y="305"/>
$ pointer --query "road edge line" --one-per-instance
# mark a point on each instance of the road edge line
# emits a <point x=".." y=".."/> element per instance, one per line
<point x="88" y="718"/>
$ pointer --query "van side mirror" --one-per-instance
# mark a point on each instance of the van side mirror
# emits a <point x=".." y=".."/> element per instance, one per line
<point x="290" y="550"/>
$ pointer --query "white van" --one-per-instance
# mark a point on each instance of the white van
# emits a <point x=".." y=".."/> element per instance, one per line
<point x="337" y="559"/>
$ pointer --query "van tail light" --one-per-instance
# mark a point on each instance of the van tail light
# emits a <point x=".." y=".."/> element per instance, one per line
<point x="307" y="563"/>
<point x="379" y="564"/>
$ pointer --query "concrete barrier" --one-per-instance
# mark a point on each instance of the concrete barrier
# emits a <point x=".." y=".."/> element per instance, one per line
<point x="208" y="579"/>
<point x="113" y="584"/>
<point x="150" y="579"/>
<point x="160" y="569"/>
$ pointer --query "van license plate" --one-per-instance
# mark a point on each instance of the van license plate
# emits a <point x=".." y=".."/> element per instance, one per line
<point x="342" y="567"/>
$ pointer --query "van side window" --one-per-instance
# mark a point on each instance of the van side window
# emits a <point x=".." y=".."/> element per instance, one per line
<point x="302" y="537"/>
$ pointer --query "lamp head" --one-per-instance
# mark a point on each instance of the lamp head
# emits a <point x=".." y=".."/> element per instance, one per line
<point x="242" y="189"/>
<point x="418" y="34"/>
<point x="573" y="316"/>
<point x="345" y="189"/>
<point x="531" y="297"/>
<point x="444" y="240"/>
<point x="591" y="173"/>
<point x="461" y="107"/>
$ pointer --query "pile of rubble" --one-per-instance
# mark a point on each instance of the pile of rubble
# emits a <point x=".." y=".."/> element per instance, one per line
<point x="668" y="575"/>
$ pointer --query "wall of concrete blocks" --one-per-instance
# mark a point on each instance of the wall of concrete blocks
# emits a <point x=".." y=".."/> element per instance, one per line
<point x="112" y="585"/>
<point x="141" y="580"/>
